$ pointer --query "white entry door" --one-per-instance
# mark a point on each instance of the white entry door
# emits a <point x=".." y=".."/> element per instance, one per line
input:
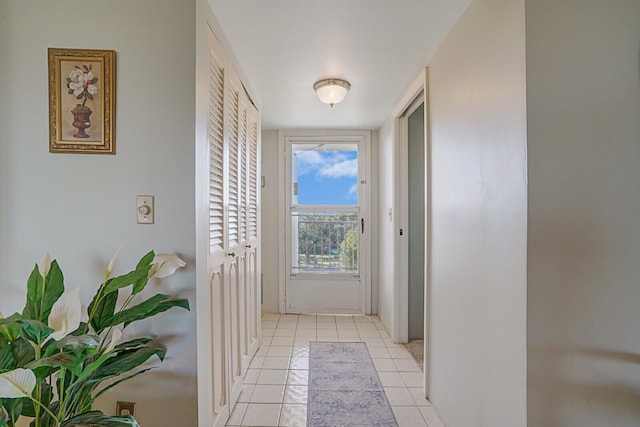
<point x="326" y="223"/>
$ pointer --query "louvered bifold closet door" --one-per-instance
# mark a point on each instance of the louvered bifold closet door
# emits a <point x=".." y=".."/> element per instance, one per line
<point x="235" y="254"/>
<point x="244" y="290"/>
<point x="242" y="228"/>
<point x="229" y="307"/>
<point x="253" y="243"/>
<point x="218" y="402"/>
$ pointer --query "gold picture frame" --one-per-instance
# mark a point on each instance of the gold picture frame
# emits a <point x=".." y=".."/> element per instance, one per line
<point x="82" y="99"/>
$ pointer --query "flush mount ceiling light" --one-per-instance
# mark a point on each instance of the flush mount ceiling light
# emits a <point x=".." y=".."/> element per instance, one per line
<point x="332" y="91"/>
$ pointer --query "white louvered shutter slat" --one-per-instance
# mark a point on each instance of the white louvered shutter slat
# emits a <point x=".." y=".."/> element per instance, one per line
<point x="242" y="163"/>
<point x="233" y="167"/>
<point x="252" y="205"/>
<point x="216" y="156"/>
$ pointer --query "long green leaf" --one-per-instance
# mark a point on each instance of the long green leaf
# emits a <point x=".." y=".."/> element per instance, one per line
<point x="13" y="408"/>
<point x="66" y="359"/>
<point x="43" y="293"/>
<point x="7" y="361"/>
<point x="35" y="283"/>
<point x="54" y="288"/>
<point x="144" y="263"/>
<point x="125" y="362"/>
<point x="46" y="419"/>
<point x="83" y="343"/>
<point x="97" y="418"/>
<point x="146" y="260"/>
<point x="28" y="407"/>
<point x="125" y="280"/>
<point x="22" y="351"/>
<point x="45" y="400"/>
<point x="35" y="330"/>
<point x="138" y="342"/>
<point x="121" y="350"/>
<point x="78" y="343"/>
<point x="91" y="368"/>
<point x="150" y="307"/>
<point x="166" y="305"/>
<point x="103" y="311"/>
<point x="112" y="385"/>
<point x="10" y="327"/>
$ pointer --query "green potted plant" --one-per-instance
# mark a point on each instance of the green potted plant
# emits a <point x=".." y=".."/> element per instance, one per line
<point x="53" y="365"/>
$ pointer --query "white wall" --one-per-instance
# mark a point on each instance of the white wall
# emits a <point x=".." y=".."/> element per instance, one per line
<point x="479" y="219"/>
<point x="583" y="110"/>
<point x="386" y="225"/>
<point x="82" y="207"/>
<point x="270" y="222"/>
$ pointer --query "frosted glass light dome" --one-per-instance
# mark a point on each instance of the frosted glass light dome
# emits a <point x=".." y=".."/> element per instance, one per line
<point x="332" y="91"/>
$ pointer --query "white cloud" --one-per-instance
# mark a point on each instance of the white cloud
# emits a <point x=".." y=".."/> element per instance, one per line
<point x="310" y="157"/>
<point x="309" y="161"/>
<point x="330" y="164"/>
<point x="344" y="168"/>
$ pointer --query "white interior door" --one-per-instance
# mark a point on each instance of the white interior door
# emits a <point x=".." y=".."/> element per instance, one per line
<point x="326" y="223"/>
<point x="252" y="296"/>
<point x="213" y="309"/>
<point x="236" y="119"/>
<point x="243" y="243"/>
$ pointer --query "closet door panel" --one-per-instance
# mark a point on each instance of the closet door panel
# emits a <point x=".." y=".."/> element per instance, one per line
<point x="235" y="251"/>
<point x="216" y="352"/>
<point x="253" y="275"/>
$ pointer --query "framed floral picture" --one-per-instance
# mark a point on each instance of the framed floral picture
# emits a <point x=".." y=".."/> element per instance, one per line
<point x="82" y="102"/>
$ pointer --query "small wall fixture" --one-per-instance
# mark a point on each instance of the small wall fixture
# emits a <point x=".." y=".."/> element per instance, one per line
<point x="332" y="91"/>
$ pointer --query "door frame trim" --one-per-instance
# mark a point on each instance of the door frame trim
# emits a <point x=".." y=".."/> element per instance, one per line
<point x="283" y="137"/>
<point x="400" y="326"/>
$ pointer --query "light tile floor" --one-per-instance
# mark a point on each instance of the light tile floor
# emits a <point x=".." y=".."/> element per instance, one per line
<point x="275" y="386"/>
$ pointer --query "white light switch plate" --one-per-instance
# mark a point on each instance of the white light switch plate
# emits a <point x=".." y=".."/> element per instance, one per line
<point x="145" y="209"/>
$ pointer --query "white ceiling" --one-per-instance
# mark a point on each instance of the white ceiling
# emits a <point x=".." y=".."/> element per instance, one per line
<point x="379" y="46"/>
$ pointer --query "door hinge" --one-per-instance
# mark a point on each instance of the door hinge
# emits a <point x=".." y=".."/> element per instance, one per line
<point x="401" y="232"/>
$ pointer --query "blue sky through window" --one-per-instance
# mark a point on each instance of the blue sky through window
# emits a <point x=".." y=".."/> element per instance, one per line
<point x="326" y="176"/>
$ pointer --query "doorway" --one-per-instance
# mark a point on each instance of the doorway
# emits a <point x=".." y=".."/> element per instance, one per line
<point x="416" y="97"/>
<point x="416" y="216"/>
<point x="326" y="223"/>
